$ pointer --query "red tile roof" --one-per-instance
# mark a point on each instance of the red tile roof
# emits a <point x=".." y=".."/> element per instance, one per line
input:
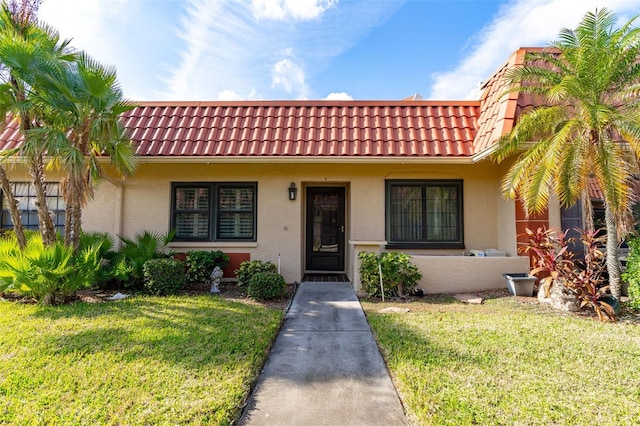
<point x="304" y="128"/>
<point x="500" y="109"/>
<point x="408" y="128"/>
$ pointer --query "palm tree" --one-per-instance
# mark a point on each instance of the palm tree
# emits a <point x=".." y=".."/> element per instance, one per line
<point x="85" y="103"/>
<point x="27" y="49"/>
<point x="588" y="127"/>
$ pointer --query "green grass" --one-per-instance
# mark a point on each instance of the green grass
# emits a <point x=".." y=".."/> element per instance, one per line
<point x="509" y="363"/>
<point x="144" y="360"/>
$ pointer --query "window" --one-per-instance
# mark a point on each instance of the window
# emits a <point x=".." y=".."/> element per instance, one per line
<point x="25" y="195"/>
<point x="214" y="211"/>
<point x="424" y="214"/>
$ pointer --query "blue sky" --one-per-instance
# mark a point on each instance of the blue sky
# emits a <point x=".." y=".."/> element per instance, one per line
<point x="311" y="49"/>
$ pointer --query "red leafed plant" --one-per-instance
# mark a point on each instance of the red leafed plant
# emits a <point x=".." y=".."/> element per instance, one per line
<point x="584" y="276"/>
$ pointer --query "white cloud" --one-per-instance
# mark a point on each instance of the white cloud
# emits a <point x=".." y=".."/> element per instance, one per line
<point x="518" y="24"/>
<point x="216" y="49"/>
<point x="136" y="37"/>
<point x="84" y="22"/>
<point x="281" y="10"/>
<point x="339" y="96"/>
<point x="227" y="51"/>
<point x="230" y="95"/>
<point x="291" y="77"/>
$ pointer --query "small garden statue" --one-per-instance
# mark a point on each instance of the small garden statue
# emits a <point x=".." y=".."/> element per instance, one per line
<point x="216" y="277"/>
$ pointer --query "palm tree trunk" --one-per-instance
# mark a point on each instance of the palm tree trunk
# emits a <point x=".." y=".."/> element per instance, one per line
<point x="613" y="265"/>
<point x="12" y="204"/>
<point x="587" y="212"/>
<point x="73" y="189"/>
<point x="44" y="215"/>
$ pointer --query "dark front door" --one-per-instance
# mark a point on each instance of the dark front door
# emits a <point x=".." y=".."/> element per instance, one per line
<point x="325" y="229"/>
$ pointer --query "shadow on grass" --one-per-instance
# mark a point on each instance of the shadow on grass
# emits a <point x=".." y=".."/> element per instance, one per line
<point x="193" y="332"/>
<point x="428" y="299"/>
<point x="399" y="342"/>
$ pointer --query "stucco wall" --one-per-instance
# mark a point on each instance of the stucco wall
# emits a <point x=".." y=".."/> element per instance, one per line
<point x="280" y="231"/>
<point x="142" y="202"/>
<point x="458" y="274"/>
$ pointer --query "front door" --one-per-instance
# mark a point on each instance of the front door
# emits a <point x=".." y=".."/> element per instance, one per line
<point x="325" y="239"/>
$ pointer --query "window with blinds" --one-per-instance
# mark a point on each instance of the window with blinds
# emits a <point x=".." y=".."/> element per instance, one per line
<point x="424" y="213"/>
<point x="25" y="195"/>
<point x="214" y="211"/>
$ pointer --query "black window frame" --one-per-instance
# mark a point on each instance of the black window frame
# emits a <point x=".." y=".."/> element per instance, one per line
<point x="424" y="243"/>
<point x="59" y="214"/>
<point x="214" y="209"/>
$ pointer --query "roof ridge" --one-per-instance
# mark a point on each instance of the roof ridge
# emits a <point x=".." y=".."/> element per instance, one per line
<point x="309" y="103"/>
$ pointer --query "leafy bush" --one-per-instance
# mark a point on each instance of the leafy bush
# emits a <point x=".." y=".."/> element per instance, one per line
<point x="163" y="276"/>
<point x="249" y="268"/>
<point x="584" y="277"/>
<point x="48" y="274"/>
<point x="200" y="264"/>
<point x="399" y="275"/>
<point x="128" y="267"/>
<point x="104" y="243"/>
<point x="266" y="286"/>
<point x="632" y="273"/>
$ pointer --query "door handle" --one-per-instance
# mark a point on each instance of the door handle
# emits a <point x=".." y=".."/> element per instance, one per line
<point x="341" y="228"/>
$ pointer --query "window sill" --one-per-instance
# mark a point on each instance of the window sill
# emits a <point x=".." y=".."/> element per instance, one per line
<point x="424" y="246"/>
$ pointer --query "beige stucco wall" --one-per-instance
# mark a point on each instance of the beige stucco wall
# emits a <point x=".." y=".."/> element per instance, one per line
<point x="146" y="200"/>
<point x="458" y="274"/>
<point x="142" y="202"/>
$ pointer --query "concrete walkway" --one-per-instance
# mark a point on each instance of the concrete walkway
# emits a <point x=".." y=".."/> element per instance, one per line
<point x="325" y="367"/>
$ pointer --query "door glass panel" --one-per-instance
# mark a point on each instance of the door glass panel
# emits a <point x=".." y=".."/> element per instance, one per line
<point x="325" y="223"/>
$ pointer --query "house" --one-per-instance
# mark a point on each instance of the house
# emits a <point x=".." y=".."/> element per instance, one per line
<point x="309" y="184"/>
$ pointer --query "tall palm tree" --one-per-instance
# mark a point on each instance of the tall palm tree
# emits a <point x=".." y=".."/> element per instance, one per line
<point x="85" y="102"/>
<point x="588" y="127"/>
<point x="27" y="49"/>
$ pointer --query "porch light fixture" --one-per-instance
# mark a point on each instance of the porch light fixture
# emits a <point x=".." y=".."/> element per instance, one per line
<point x="293" y="191"/>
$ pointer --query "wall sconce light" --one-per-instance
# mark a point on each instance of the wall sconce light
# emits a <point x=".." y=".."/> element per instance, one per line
<point x="293" y="191"/>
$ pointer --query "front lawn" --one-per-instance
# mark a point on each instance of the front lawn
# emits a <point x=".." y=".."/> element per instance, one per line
<point x="143" y="360"/>
<point x="506" y="362"/>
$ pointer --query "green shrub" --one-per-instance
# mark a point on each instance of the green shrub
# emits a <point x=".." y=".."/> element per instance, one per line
<point x="49" y="274"/>
<point x="266" y="286"/>
<point x="632" y="273"/>
<point x="104" y="243"/>
<point x="200" y="264"/>
<point x="163" y="276"/>
<point x="399" y="275"/>
<point x="129" y="266"/>
<point x="249" y="268"/>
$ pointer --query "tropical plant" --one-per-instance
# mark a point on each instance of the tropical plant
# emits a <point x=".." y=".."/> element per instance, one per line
<point x="586" y="129"/>
<point x="549" y="251"/>
<point x="266" y="286"/>
<point x="163" y="277"/>
<point x="249" y="268"/>
<point x="47" y="273"/>
<point x="136" y="252"/>
<point x="85" y="103"/>
<point x="556" y="264"/>
<point x="105" y="244"/>
<point x="67" y="106"/>
<point x="399" y="275"/>
<point x="200" y="264"/>
<point x="27" y="51"/>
